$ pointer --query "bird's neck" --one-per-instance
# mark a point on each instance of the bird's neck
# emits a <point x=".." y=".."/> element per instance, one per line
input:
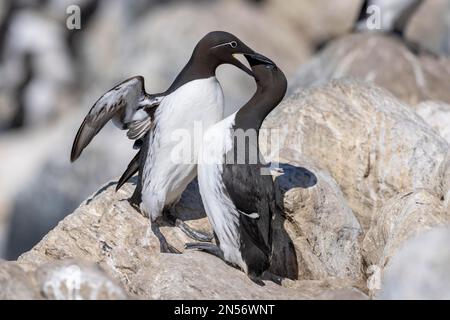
<point x="253" y="113"/>
<point x="196" y="68"/>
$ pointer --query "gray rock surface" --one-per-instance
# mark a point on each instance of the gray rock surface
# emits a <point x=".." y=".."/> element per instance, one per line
<point x="437" y="115"/>
<point x="59" y="280"/>
<point x="15" y="284"/>
<point x="374" y="146"/>
<point x="323" y="228"/>
<point x="75" y="280"/>
<point x="371" y="57"/>
<point x="318" y="20"/>
<point x="420" y="269"/>
<point x="399" y="220"/>
<point x="430" y="26"/>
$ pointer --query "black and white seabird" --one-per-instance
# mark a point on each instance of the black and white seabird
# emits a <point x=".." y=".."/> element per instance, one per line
<point x="194" y="98"/>
<point x="238" y="198"/>
<point x="394" y="15"/>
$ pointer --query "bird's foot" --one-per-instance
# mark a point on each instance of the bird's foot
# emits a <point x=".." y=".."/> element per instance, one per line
<point x="165" y="247"/>
<point x="206" y="247"/>
<point x="189" y="231"/>
<point x="272" y="277"/>
<point x="192" y="233"/>
<point x="137" y="207"/>
<point x="256" y="280"/>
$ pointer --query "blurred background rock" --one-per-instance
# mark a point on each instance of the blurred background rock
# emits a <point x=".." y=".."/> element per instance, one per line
<point x="50" y="76"/>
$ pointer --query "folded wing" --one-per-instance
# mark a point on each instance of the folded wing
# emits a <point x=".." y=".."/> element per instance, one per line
<point x="127" y="104"/>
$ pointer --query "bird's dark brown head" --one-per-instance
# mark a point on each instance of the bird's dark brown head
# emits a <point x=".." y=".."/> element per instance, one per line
<point x="271" y="85"/>
<point x="268" y="76"/>
<point x="220" y="47"/>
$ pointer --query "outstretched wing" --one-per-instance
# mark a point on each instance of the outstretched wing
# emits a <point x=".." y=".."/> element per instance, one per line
<point x="127" y="104"/>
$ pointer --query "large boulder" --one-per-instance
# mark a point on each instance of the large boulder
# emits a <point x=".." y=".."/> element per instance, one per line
<point x="430" y="26"/>
<point x="383" y="60"/>
<point x="76" y="280"/>
<point x="15" y="284"/>
<point x="374" y="146"/>
<point x="317" y="20"/>
<point x="59" y="280"/>
<point x="400" y="219"/>
<point x="319" y="223"/>
<point x="420" y="269"/>
<point x="321" y="257"/>
<point x="437" y="115"/>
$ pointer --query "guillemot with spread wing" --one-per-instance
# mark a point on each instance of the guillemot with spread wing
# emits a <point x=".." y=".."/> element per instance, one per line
<point x="239" y="195"/>
<point x="195" y="97"/>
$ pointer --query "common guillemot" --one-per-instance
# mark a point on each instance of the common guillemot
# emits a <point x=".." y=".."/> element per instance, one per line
<point x="394" y="15"/>
<point x="195" y="96"/>
<point x="239" y="199"/>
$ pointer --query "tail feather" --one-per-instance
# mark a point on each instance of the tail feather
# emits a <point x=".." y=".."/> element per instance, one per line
<point x="132" y="168"/>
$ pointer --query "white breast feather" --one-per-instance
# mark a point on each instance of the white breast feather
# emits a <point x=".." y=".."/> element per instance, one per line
<point x="163" y="179"/>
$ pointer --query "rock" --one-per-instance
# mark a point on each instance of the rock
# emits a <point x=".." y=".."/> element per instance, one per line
<point x="437" y="115"/>
<point x="400" y="219"/>
<point x="442" y="187"/>
<point x="106" y="230"/>
<point x="370" y="57"/>
<point x="15" y="284"/>
<point x="60" y="280"/>
<point x="429" y="26"/>
<point x="304" y="16"/>
<point x="420" y="269"/>
<point x="323" y="228"/>
<point x="183" y="277"/>
<point x="374" y="146"/>
<point x="74" y="280"/>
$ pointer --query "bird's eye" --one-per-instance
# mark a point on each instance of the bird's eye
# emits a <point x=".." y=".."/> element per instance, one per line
<point x="233" y="44"/>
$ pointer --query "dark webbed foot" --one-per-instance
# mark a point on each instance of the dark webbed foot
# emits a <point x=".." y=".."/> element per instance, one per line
<point x="137" y="208"/>
<point x="165" y="247"/>
<point x="206" y="247"/>
<point x="257" y="280"/>
<point x="190" y="232"/>
<point x="272" y="277"/>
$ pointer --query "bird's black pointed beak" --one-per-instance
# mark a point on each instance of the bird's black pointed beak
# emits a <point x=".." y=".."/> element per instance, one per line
<point x="256" y="58"/>
<point x="242" y="50"/>
<point x="234" y="61"/>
